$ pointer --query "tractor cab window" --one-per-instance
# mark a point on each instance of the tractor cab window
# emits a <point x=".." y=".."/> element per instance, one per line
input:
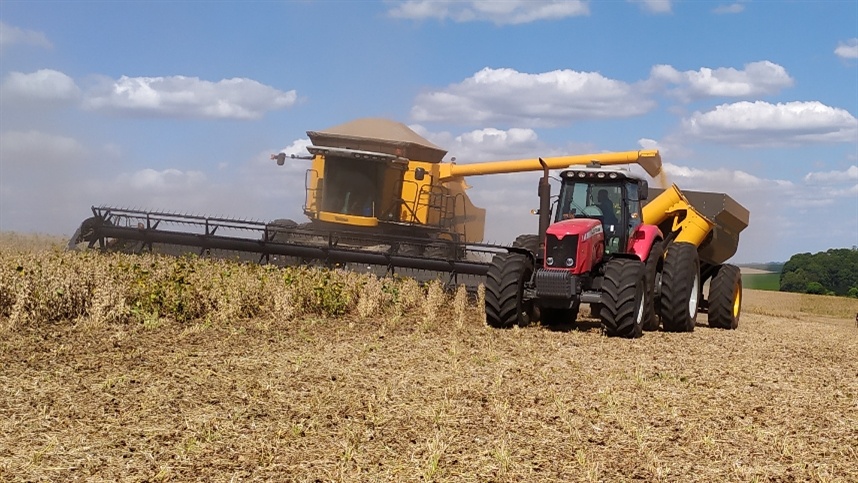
<point x="633" y="206"/>
<point x="581" y="199"/>
<point x="597" y="200"/>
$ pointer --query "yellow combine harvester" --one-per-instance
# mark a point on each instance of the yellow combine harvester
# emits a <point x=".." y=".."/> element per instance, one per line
<point x="379" y="176"/>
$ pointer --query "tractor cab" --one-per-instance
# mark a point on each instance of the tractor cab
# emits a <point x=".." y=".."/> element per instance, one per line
<point x="613" y="197"/>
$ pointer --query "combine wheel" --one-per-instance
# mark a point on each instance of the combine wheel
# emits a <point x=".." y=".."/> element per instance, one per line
<point x="624" y="297"/>
<point x="654" y="263"/>
<point x="680" y="288"/>
<point x="531" y="242"/>
<point x="278" y="230"/>
<point x="441" y="251"/>
<point x="505" y="280"/>
<point x="725" y="297"/>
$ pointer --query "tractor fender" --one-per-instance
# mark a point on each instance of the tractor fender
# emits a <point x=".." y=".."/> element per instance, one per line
<point x="641" y="240"/>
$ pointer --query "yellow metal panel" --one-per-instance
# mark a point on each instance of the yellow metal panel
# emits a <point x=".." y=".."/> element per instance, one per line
<point x="353" y="220"/>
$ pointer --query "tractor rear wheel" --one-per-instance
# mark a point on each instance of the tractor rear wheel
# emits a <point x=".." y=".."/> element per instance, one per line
<point x="654" y="264"/>
<point x="505" y="280"/>
<point x="624" y="297"/>
<point x="680" y="288"/>
<point x="725" y="297"/>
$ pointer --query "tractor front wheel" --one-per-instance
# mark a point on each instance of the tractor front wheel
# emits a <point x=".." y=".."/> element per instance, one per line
<point x="680" y="288"/>
<point x="725" y="297"/>
<point x="624" y="297"/>
<point x="505" y="281"/>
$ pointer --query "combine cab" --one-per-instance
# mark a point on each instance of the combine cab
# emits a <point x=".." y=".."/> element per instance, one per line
<point x="638" y="265"/>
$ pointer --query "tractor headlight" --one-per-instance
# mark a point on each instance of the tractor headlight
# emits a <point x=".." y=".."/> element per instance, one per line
<point x="549" y="260"/>
<point x="570" y="262"/>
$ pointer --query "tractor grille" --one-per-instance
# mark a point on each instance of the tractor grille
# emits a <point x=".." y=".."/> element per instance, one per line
<point x="555" y="283"/>
<point x="561" y="253"/>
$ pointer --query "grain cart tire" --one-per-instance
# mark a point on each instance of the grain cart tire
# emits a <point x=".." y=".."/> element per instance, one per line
<point x="654" y="264"/>
<point x="505" y="280"/>
<point x="680" y="288"/>
<point x="624" y="297"/>
<point x="725" y="297"/>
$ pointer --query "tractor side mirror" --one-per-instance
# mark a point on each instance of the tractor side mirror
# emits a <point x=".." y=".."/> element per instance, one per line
<point x="643" y="190"/>
<point x="419" y="174"/>
<point x="281" y="159"/>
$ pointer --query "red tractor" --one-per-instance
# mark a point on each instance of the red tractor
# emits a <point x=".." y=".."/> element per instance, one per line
<point x="637" y="266"/>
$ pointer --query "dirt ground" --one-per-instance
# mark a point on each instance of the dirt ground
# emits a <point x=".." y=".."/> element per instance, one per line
<point x="427" y="399"/>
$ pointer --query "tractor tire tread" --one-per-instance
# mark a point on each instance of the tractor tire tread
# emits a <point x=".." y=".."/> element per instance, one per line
<point x="622" y="288"/>
<point x="503" y="289"/>
<point x="681" y="266"/>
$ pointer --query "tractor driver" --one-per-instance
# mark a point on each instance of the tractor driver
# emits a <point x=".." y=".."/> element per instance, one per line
<point x="609" y="217"/>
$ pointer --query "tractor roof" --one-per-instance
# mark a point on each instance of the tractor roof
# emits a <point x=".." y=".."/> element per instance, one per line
<point x="607" y="173"/>
<point x="381" y="136"/>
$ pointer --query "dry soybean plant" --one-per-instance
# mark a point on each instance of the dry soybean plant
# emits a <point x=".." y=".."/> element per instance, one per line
<point x="97" y="288"/>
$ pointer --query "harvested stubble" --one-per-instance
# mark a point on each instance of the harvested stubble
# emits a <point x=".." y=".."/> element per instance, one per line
<point x="406" y="396"/>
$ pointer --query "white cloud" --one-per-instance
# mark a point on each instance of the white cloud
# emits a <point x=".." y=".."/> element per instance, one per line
<point x="730" y="8"/>
<point x="655" y="6"/>
<point x="43" y="85"/>
<point x="850" y="174"/>
<point x="179" y="96"/>
<point x="298" y="147"/>
<point x="509" y="12"/>
<point x="547" y="99"/>
<point x="719" y="178"/>
<point x="170" y="179"/>
<point x="757" y="78"/>
<point x="763" y="124"/>
<point x="34" y="148"/>
<point x="847" y="49"/>
<point x="11" y="35"/>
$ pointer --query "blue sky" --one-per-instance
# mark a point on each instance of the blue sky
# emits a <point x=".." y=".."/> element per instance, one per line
<point x="178" y="105"/>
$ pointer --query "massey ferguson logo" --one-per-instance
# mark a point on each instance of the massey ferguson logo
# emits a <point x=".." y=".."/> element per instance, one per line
<point x="592" y="232"/>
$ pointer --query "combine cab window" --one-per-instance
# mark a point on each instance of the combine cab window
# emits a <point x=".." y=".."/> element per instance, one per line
<point x="350" y="186"/>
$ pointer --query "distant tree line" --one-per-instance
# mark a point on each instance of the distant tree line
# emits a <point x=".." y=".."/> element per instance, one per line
<point x="832" y="272"/>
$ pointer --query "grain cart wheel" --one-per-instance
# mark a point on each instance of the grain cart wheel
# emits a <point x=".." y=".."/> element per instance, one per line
<point x="505" y="279"/>
<point x="680" y="288"/>
<point x="624" y="297"/>
<point x="654" y="265"/>
<point x="725" y="297"/>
